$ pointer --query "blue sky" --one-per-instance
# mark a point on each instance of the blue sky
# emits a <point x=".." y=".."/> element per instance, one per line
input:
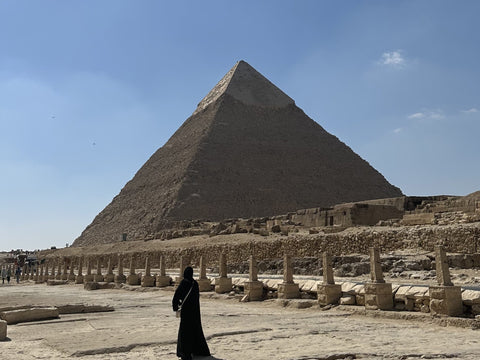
<point x="90" y="89"/>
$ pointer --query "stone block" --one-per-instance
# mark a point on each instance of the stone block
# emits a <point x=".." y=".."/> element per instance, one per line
<point x="98" y="278"/>
<point x="329" y="293"/>
<point x="446" y="300"/>
<point x="204" y="285"/>
<point x="120" y="279"/>
<point x="378" y="296"/>
<point x="133" y="279"/>
<point x="148" y="281"/>
<point x="162" y="281"/>
<point x="30" y="314"/>
<point x="288" y="291"/>
<point x="3" y="330"/>
<point x="109" y="278"/>
<point x="223" y="285"/>
<point x="88" y="278"/>
<point x="347" y="299"/>
<point x="56" y="282"/>
<point x="254" y="290"/>
<point x="79" y="279"/>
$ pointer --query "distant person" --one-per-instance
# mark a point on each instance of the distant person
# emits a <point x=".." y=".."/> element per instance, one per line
<point x="191" y="340"/>
<point x="9" y="274"/>
<point x="4" y="274"/>
<point x="18" y="272"/>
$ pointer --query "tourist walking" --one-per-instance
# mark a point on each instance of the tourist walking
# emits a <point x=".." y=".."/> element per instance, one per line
<point x="18" y="272"/>
<point x="191" y="340"/>
<point x="4" y="274"/>
<point x="9" y="274"/>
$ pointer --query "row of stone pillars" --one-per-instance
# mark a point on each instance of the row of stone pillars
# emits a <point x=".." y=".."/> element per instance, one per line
<point x="445" y="298"/>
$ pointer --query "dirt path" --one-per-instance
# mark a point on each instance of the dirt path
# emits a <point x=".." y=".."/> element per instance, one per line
<point x="143" y="326"/>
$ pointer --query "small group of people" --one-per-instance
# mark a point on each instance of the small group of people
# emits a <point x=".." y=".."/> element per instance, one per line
<point x="7" y="274"/>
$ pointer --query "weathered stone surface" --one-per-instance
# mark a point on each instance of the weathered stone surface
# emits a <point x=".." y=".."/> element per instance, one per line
<point x="93" y="285"/>
<point x="57" y="282"/>
<point x="254" y="290"/>
<point x="441" y="264"/>
<point x="30" y="314"/>
<point x="225" y="130"/>
<point x="288" y="291"/>
<point x="3" y="330"/>
<point x="446" y="300"/>
<point x="329" y="293"/>
<point x="204" y="285"/>
<point x="347" y="299"/>
<point x="378" y="296"/>
<point x="81" y="309"/>
<point x="223" y="285"/>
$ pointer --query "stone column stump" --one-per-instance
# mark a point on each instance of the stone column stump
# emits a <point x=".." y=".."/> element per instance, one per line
<point x="223" y="284"/>
<point x="120" y="278"/>
<point x="162" y="280"/>
<point x="147" y="280"/>
<point x="328" y="292"/>
<point x="3" y="330"/>
<point x="288" y="289"/>
<point x="378" y="293"/>
<point x="253" y="288"/>
<point x="204" y="284"/>
<point x="445" y="298"/>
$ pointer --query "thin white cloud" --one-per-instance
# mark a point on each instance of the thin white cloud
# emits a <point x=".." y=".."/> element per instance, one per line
<point x="398" y="130"/>
<point x="418" y="115"/>
<point x="393" y="59"/>
<point x="427" y="115"/>
<point x="470" y="111"/>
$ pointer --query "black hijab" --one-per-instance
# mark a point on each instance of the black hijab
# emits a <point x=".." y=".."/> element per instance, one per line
<point x="188" y="273"/>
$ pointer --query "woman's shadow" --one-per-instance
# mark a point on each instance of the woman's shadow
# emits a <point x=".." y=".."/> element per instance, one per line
<point x="206" y="358"/>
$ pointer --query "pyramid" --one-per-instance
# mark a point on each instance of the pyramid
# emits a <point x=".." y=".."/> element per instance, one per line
<point x="246" y="151"/>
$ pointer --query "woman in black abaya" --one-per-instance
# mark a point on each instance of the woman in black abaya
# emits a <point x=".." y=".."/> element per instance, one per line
<point x="191" y="340"/>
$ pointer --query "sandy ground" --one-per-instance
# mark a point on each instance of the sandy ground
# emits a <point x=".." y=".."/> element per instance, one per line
<point x="143" y="326"/>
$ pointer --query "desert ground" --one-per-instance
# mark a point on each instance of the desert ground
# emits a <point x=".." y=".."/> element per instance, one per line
<point x="143" y="326"/>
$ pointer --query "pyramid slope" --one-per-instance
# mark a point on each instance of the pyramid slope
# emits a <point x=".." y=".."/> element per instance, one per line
<point x="246" y="151"/>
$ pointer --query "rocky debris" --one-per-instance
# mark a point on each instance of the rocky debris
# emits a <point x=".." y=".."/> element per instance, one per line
<point x="83" y="309"/>
<point x="93" y="285"/>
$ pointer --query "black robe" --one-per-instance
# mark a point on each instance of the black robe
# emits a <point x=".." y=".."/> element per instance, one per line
<point x="190" y="334"/>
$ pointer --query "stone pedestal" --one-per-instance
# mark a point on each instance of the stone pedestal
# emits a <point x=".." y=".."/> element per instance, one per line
<point x="148" y="281"/>
<point x="378" y="296"/>
<point x="223" y="285"/>
<point x="79" y="279"/>
<point x="446" y="300"/>
<point x="254" y="290"/>
<point x="162" y="281"/>
<point x="109" y="278"/>
<point x="133" y="279"/>
<point x="3" y="330"/>
<point x="329" y="294"/>
<point x="88" y="278"/>
<point x="98" y="278"/>
<point x="120" y="279"/>
<point x="288" y="291"/>
<point x="204" y="284"/>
